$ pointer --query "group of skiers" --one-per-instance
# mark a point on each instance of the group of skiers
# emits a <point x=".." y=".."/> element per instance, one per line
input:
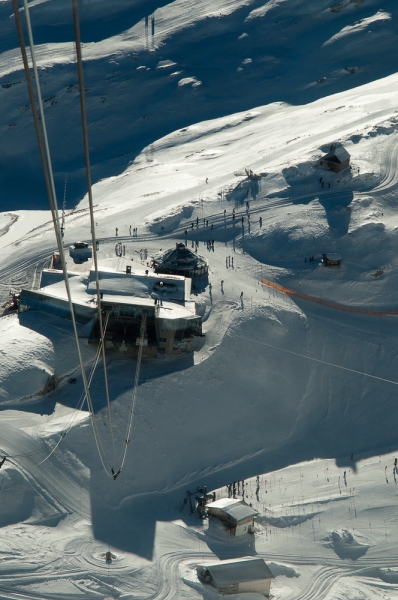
<point x="235" y="487"/>
<point x="120" y="249"/>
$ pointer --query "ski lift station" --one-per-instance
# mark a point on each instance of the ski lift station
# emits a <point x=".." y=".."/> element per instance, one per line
<point x="181" y="261"/>
<point x="171" y="318"/>
<point x="238" y="575"/>
<point x="235" y="514"/>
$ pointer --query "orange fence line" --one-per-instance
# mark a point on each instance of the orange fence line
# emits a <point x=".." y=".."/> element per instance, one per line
<point x="362" y="311"/>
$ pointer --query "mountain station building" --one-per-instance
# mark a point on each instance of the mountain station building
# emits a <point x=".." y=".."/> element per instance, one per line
<point x="171" y="320"/>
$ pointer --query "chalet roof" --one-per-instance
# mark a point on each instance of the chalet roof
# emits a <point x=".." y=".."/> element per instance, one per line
<point x="337" y="153"/>
<point x="240" y="511"/>
<point x="238" y="570"/>
<point x="332" y="256"/>
<point x="179" y="257"/>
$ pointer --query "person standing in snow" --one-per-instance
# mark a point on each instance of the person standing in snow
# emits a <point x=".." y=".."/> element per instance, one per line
<point x="130" y="230"/>
<point x="232" y="262"/>
<point x="116" y="231"/>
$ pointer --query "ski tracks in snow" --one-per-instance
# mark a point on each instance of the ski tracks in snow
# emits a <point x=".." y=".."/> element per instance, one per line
<point x="389" y="168"/>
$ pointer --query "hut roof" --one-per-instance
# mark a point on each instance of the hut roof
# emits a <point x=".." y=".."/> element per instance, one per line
<point x="238" y="570"/>
<point x="332" y="256"/>
<point x="179" y="258"/>
<point x="240" y="511"/>
<point x="223" y="503"/>
<point x="337" y="153"/>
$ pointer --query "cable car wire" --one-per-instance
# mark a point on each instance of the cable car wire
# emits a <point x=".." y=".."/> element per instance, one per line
<point x="90" y="199"/>
<point x="54" y="211"/>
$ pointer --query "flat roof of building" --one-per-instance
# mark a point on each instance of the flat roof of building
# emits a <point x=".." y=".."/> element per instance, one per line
<point x="141" y="284"/>
<point x="223" y="502"/>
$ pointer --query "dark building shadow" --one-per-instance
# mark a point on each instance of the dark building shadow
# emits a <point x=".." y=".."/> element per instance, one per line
<point x="337" y="207"/>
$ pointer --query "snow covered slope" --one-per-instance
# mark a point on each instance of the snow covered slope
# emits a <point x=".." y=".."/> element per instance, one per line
<point x="152" y="68"/>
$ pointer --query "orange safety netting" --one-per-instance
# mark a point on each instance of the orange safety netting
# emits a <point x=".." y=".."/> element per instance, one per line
<point x="362" y="311"/>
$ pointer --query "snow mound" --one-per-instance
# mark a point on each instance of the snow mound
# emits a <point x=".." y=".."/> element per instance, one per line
<point x="278" y="569"/>
<point x="26" y="359"/>
<point x="345" y="544"/>
<point x="286" y="520"/>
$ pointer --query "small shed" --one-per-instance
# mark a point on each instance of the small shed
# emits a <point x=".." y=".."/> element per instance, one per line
<point x="236" y="514"/>
<point x="181" y="261"/>
<point x="332" y="259"/>
<point x="336" y="159"/>
<point x="237" y="575"/>
<point x="80" y="252"/>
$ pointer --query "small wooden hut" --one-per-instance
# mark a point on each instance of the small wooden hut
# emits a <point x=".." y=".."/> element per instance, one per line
<point x="336" y="159"/>
<point x="332" y="259"/>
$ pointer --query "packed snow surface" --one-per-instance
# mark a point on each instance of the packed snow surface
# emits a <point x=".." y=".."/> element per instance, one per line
<point x="196" y="110"/>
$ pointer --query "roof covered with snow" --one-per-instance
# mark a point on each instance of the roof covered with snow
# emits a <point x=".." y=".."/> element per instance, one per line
<point x="337" y="152"/>
<point x="238" y="570"/>
<point x="237" y="509"/>
<point x="240" y="511"/>
<point x="140" y="284"/>
<point x="223" y="502"/>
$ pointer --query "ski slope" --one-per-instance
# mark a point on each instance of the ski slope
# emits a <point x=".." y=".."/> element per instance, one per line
<point x="154" y="67"/>
<point x="280" y="387"/>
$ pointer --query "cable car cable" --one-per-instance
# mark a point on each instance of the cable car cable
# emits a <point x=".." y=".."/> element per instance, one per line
<point x="54" y="212"/>
<point x="90" y="199"/>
